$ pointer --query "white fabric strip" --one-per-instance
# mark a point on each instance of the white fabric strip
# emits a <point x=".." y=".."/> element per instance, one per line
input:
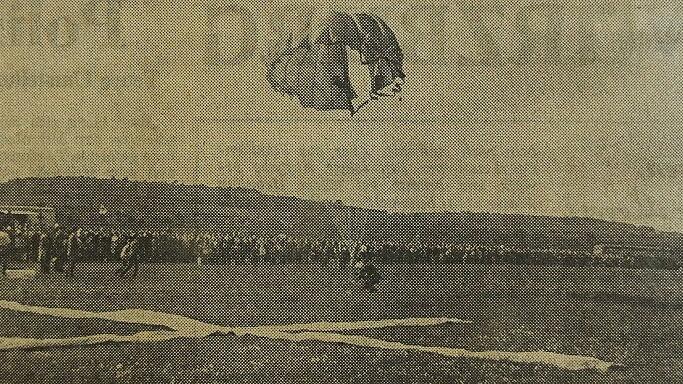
<point x="184" y="327"/>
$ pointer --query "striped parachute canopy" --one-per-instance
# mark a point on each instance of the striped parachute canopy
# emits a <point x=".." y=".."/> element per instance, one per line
<point x="310" y="59"/>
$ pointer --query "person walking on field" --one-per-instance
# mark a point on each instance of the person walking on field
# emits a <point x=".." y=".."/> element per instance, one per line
<point x="130" y="258"/>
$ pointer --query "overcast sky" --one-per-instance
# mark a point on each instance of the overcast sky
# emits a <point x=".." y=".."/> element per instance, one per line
<point x="590" y="129"/>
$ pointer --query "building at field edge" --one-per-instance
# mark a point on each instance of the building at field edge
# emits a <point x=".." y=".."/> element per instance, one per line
<point x="36" y="217"/>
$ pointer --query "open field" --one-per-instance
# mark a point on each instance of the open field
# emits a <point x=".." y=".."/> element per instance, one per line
<point x="631" y="317"/>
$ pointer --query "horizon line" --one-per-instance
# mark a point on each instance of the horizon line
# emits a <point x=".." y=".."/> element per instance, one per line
<point x="331" y="201"/>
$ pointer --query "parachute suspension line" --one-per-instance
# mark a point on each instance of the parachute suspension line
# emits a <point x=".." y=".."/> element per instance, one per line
<point x="282" y="85"/>
<point x="288" y="57"/>
<point x="285" y="82"/>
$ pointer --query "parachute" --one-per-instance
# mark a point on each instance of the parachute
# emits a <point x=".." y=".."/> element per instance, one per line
<point x="310" y="60"/>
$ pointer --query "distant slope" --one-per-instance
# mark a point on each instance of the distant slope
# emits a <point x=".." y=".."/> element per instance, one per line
<point x="131" y="204"/>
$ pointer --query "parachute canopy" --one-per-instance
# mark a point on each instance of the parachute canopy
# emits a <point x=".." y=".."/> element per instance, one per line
<point x="310" y="60"/>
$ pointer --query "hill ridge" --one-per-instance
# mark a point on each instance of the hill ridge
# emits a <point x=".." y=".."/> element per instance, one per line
<point x="156" y="204"/>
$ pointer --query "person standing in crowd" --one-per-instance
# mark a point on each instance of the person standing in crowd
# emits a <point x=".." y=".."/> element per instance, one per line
<point x="344" y="257"/>
<point x="44" y="252"/>
<point x="130" y="258"/>
<point x="62" y="255"/>
<point x="103" y="245"/>
<point x="5" y="250"/>
<point x="36" y="234"/>
<point x="145" y="245"/>
<point x="19" y="241"/>
<point x="74" y="249"/>
<point x="262" y="250"/>
<point x="57" y="256"/>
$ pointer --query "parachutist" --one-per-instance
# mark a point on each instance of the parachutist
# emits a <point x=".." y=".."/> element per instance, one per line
<point x="314" y="66"/>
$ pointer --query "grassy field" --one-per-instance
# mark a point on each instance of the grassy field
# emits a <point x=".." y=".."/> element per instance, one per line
<point x="626" y="316"/>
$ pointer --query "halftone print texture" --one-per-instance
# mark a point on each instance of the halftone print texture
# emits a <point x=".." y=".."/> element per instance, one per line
<point x="233" y="191"/>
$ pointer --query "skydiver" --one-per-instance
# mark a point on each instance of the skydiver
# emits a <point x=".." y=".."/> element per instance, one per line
<point x="367" y="275"/>
<point x="364" y="270"/>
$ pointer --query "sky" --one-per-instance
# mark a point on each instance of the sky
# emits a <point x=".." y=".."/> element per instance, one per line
<point x="511" y="107"/>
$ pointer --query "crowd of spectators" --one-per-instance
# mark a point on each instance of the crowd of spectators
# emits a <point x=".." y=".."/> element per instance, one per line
<point x="102" y="244"/>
